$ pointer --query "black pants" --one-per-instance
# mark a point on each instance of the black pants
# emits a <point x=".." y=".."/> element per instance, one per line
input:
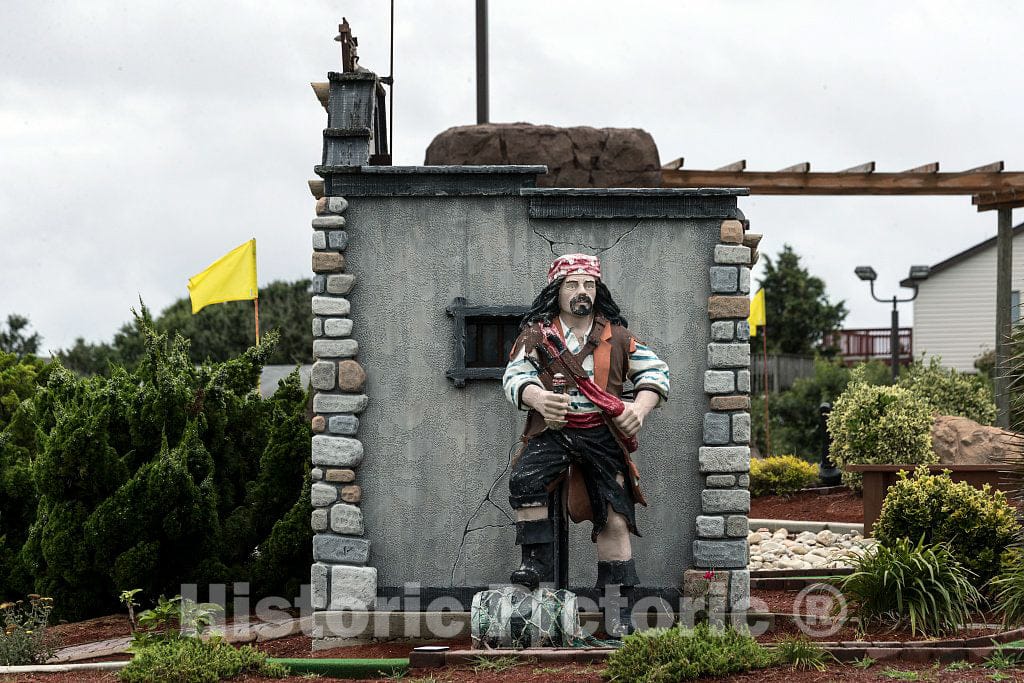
<point x="598" y="456"/>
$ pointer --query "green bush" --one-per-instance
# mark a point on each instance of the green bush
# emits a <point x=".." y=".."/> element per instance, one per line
<point x="167" y="474"/>
<point x="781" y="475"/>
<point x="190" y="660"/>
<point x="216" y="333"/>
<point x="978" y="524"/>
<point x="24" y="637"/>
<point x="20" y="379"/>
<point x="901" y="583"/>
<point x="949" y="392"/>
<point x="673" y="654"/>
<point x="794" y="413"/>
<point x="879" y="425"/>
<point x="1008" y="587"/>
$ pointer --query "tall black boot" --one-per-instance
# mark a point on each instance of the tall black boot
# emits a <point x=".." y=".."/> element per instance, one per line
<point x="537" y="539"/>
<point x="620" y="575"/>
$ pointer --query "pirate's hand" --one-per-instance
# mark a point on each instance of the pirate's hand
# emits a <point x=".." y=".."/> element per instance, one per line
<point x="550" y="405"/>
<point x="629" y="421"/>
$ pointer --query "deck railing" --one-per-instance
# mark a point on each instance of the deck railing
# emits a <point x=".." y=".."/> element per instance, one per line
<point x="872" y="343"/>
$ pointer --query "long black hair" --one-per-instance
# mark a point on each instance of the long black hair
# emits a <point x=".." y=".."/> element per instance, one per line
<point x="545" y="306"/>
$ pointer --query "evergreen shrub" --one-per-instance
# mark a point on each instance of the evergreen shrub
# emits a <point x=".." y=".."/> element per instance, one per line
<point x="664" y="655"/>
<point x="949" y="392"/>
<point x="166" y="474"/>
<point x="20" y="379"/>
<point x="781" y="475"/>
<point x="191" y="660"/>
<point x="794" y="416"/>
<point x="879" y="425"/>
<point x="978" y="524"/>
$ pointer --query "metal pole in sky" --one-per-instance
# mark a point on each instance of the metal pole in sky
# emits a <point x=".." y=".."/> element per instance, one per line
<point x="1004" y="273"/>
<point x="482" y="108"/>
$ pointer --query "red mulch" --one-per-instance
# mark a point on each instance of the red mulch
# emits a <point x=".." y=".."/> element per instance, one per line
<point x="91" y="630"/>
<point x="578" y="673"/>
<point x="844" y="506"/>
<point x="778" y="601"/>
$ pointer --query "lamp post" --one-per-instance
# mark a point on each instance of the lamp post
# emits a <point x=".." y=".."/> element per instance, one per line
<point x="917" y="274"/>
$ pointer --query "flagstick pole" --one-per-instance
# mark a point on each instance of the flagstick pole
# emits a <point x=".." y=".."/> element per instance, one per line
<point x="256" y="303"/>
<point x="767" y="424"/>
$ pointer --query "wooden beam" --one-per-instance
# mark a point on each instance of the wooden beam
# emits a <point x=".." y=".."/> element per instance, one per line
<point x="992" y="201"/>
<point x="802" y="167"/>
<point x="994" y="167"/>
<point x="673" y="165"/>
<point x="734" y="167"/>
<point x="869" y="167"/>
<point x="778" y="183"/>
<point x="927" y="168"/>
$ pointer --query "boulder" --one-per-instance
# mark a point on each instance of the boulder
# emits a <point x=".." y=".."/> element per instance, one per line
<point x="962" y="441"/>
<point x="579" y="156"/>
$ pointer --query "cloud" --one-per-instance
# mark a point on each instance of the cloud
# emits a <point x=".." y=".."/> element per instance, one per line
<point x="141" y="140"/>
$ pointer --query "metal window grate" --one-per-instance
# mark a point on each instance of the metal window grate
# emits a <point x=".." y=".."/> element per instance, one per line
<point x="483" y="340"/>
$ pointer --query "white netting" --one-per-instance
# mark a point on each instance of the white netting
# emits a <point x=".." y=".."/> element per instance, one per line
<point x="512" y="617"/>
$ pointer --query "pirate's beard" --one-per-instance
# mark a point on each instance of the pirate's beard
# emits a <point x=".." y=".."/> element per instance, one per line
<point x="581" y="305"/>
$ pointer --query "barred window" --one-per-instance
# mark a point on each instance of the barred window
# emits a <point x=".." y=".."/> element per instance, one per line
<point x="483" y="340"/>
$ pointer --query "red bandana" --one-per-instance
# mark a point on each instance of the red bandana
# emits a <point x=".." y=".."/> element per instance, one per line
<point x="574" y="264"/>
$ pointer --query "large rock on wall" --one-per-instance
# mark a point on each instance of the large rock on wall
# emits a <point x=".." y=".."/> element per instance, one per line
<point x="961" y="441"/>
<point x="580" y="156"/>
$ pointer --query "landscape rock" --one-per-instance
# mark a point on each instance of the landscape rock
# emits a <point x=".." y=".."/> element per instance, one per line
<point x="962" y="441"/>
<point x="578" y="156"/>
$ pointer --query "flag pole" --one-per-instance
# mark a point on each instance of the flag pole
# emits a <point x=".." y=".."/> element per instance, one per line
<point x="767" y="424"/>
<point x="256" y="304"/>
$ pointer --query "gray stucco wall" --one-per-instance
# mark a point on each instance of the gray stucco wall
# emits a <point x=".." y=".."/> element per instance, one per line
<point x="432" y="451"/>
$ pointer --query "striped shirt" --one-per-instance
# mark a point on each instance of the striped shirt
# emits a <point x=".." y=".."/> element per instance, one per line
<point x="645" y="370"/>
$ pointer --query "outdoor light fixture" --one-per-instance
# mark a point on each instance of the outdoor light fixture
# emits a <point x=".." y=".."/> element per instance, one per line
<point x="917" y="273"/>
<point x="866" y="273"/>
<point x="920" y="272"/>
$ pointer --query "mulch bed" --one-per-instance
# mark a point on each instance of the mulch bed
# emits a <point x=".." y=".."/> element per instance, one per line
<point x="535" y="672"/>
<point x="92" y="630"/>
<point x="843" y="506"/>
<point x="577" y="673"/>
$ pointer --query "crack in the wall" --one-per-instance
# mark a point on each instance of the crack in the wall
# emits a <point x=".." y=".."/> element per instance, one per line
<point x="598" y="250"/>
<point x="487" y="499"/>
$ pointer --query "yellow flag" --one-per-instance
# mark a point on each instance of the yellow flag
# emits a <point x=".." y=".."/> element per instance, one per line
<point x="757" y="316"/>
<point x="232" y="277"/>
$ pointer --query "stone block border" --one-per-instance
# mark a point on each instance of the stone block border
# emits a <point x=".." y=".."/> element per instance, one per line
<point x="340" y="577"/>
<point x="724" y="460"/>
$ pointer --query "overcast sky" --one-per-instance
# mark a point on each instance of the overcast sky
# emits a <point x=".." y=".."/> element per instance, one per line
<point x="141" y="140"/>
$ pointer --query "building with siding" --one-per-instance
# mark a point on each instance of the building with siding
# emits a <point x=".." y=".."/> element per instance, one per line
<point x="955" y="310"/>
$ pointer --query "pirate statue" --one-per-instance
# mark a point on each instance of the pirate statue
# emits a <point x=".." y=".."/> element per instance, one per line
<point x="568" y="366"/>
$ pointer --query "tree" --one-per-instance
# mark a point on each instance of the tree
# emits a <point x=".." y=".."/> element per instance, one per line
<point x="20" y="379"/>
<point x="797" y="309"/>
<point x="164" y="474"/>
<point x="216" y="333"/>
<point x="15" y="339"/>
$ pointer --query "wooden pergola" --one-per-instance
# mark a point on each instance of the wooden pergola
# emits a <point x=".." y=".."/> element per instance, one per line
<point x="991" y="189"/>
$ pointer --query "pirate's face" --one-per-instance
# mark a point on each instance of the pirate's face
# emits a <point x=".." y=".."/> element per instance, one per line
<point x="577" y="294"/>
